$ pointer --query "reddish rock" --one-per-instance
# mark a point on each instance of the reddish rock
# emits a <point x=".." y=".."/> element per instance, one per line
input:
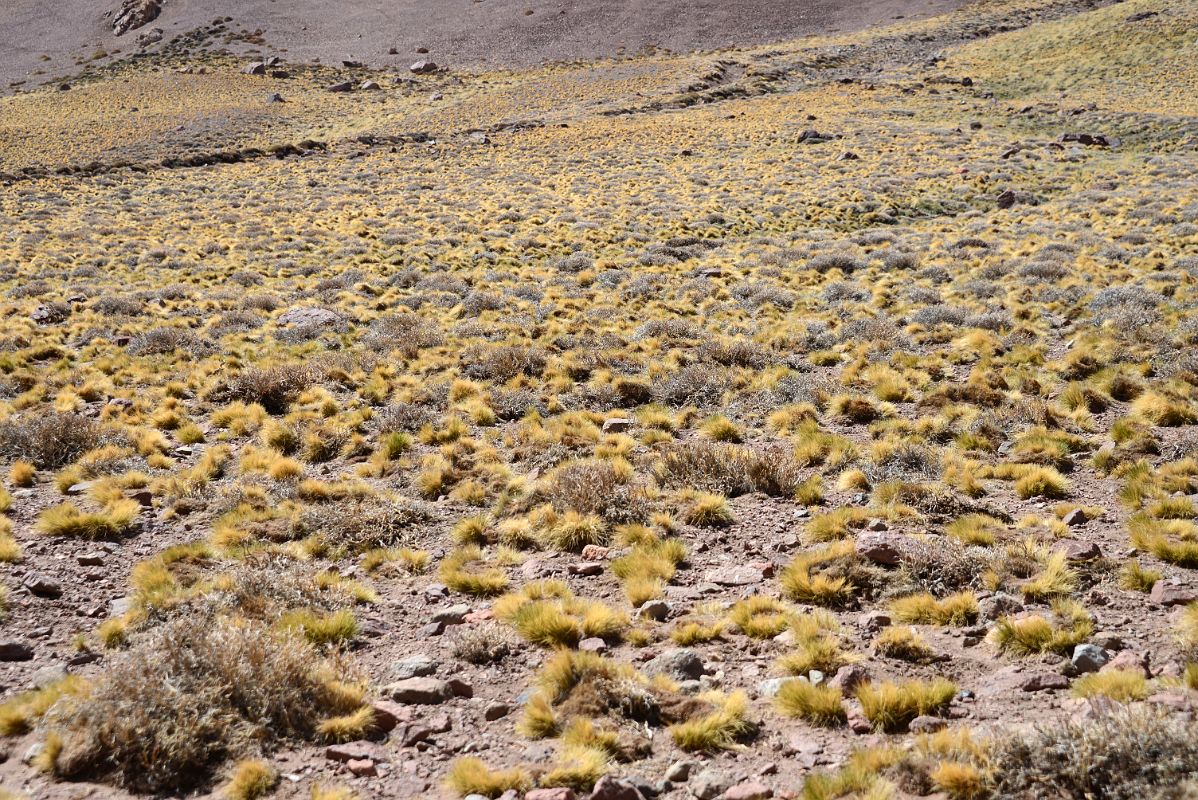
<point x="595" y="552"/>
<point x="1045" y="680"/>
<point x="1171" y="594"/>
<point x="926" y="724"/>
<point x="388" y="714"/>
<point x="1076" y="550"/>
<point x="350" y="751"/>
<point x="749" y="790"/>
<point x="880" y="548"/>
<point x="560" y="793"/>
<point x="1129" y="661"/>
<point x="420" y="691"/>
<point x="849" y="677"/>
<point x="362" y="767"/>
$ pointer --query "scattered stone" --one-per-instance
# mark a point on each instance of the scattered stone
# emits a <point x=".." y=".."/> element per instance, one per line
<point x="849" y="677"/>
<point x="50" y="314"/>
<point x="370" y="86"/>
<point x="94" y="558"/>
<point x="1043" y="681"/>
<point x="496" y="710"/>
<point x="77" y="489"/>
<point x="420" y="691"/>
<point x="749" y="790"/>
<point x="350" y="751"/>
<point x="586" y="568"/>
<point x="436" y="591"/>
<point x="1091" y="139"/>
<point x="1089" y="658"/>
<point x="461" y="688"/>
<point x="387" y="715"/>
<point x="1006" y="199"/>
<point x="1076" y="550"/>
<point x="609" y="788"/>
<point x="873" y="621"/>
<point x="560" y="793"/>
<point x="362" y="767"/>
<point x="710" y="784"/>
<point x="771" y="686"/>
<point x="595" y="552"/>
<point x="254" y="68"/>
<point x="876" y="524"/>
<point x="880" y="548"/>
<point x="454" y="615"/>
<point x="927" y="724"/>
<point x="422" y="68"/>
<point x="275" y="97"/>
<point x="1108" y="640"/>
<point x="47" y="675"/>
<point x="1128" y="661"/>
<point x="42" y="586"/>
<point x="736" y="575"/>
<point x="1075" y="518"/>
<point x="858" y="723"/>
<point x="593" y="645"/>
<point x="680" y="771"/>
<point x="848" y="155"/>
<point x="999" y="605"/>
<point x="677" y="663"/>
<point x="415" y="666"/>
<point x="654" y="609"/>
<point x="1165" y="593"/>
<point x="342" y="87"/>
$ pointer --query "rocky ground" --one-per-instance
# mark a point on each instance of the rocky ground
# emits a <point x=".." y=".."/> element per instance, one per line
<point x="813" y="419"/>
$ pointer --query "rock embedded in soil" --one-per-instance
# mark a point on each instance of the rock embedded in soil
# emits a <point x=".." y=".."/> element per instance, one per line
<point x="679" y="663"/>
<point x="15" y="650"/>
<point x="420" y="691"/>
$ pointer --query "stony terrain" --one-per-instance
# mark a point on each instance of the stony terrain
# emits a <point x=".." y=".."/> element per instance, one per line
<point x="813" y="420"/>
<point x="40" y="42"/>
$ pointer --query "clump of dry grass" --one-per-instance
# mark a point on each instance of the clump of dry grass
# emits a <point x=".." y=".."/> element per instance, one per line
<point x="192" y="693"/>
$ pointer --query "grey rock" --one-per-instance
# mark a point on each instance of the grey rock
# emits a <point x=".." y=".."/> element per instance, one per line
<point x="655" y="610"/>
<point x="422" y="67"/>
<point x="678" y="663"/>
<point x="1089" y="658"/>
<point x="254" y="68"/>
<point x="999" y="605"/>
<point x="496" y="710"/>
<point x="710" y="784"/>
<point x="454" y="615"/>
<point x="416" y="666"/>
<point x="680" y="771"/>
<point x="771" y="686"/>
<point x="618" y="424"/>
<point x="42" y="586"/>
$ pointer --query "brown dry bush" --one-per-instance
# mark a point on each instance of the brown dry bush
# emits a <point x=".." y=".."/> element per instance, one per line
<point x="364" y="523"/>
<point x="274" y="388"/>
<point x="728" y="469"/>
<point x="1128" y="754"/>
<point x="595" y="487"/>
<point x="48" y="440"/>
<point x="503" y="363"/>
<point x="404" y="332"/>
<point x="198" y="690"/>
